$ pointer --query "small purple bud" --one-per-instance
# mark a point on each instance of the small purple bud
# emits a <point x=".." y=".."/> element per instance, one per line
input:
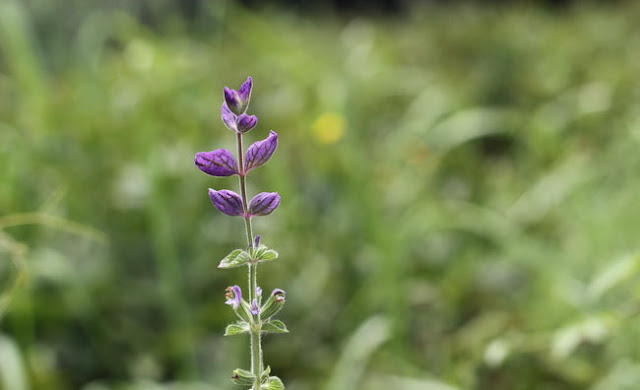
<point x="228" y="117"/>
<point x="258" y="291"/>
<point x="232" y="99"/>
<point x="260" y="152"/>
<point x="264" y="203"/>
<point x="255" y="310"/>
<point x="246" y="122"/>
<point x="234" y="296"/>
<point x="228" y="202"/>
<point x="256" y="241"/>
<point x="238" y="101"/>
<point x="245" y="91"/>
<point x="219" y="162"/>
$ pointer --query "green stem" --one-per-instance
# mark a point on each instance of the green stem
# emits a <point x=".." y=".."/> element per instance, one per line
<point x="256" y="325"/>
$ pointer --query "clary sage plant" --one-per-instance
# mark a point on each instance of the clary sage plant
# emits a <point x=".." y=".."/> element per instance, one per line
<point x="256" y="312"/>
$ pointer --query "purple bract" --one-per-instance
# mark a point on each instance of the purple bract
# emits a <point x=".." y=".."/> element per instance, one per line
<point x="260" y="152"/>
<point x="219" y="162"/>
<point x="238" y="101"/>
<point x="264" y="203"/>
<point x="226" y="201"/>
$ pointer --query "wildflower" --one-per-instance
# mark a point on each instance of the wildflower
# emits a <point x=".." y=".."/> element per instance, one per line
<point x="234" y="297"/>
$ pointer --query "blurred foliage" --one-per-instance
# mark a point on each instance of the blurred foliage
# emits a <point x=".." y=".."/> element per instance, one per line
<point x="459" y="186"/>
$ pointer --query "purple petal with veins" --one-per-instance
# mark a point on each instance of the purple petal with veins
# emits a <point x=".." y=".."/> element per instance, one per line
<point x="234" y="296"/>
<point x="228" y="117"/>
<point x="228" y="202"/>
<point x="264" y="203"/>
<point x="219" y="162"/>
<point x="254" y="309"/>
<point x="260" y="152"/>
<point x="246" y="122"/>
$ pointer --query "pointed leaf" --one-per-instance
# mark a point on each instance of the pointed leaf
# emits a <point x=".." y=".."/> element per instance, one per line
<point x="264" y="203"/>
<point x="219" y="162"/>
<point x="274" y="326"/>
<point x="273" y="383"/>
<point x="260" y="152"/>
<point x="236" y="258"/>
<point x="262" y="253"/>
<point x="265" y="373"/>
<point x="237" y="328"/>
<point x="228" y="202"/>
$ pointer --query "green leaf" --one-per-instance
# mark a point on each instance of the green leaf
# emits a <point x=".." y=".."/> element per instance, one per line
<point x="237" y="328"/>
<point x="262" y="253"/>
<point x="274" y="326"/>
<point x="243" y="377"/>
<point x="236" y="258"/>
<point x="273" y="383"/>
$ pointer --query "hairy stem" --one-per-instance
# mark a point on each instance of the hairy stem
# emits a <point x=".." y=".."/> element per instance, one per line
<point x="256" y="347"/>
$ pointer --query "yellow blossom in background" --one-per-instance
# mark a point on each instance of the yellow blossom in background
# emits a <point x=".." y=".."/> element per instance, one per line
<point x="328" y="128"/>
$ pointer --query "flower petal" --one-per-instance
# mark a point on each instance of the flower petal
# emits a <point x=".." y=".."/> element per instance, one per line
<point x="260" y="152"/>
<point x="264" y="203"/>
<point x="228" y="117"/>
<point x="228" y="202"/>
<point x="219" y="162"/>
<point x="246" y="122"/>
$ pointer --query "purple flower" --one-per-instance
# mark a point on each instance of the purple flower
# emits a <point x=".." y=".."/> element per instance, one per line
<point x="264" y="203"/>
<point x="279" y="294"/>
<point x="234" y="296"/>
<point x="227" y="202"/>
<point x="256" y="241"/>
<point x="238" y="101"/>
<point x="219" y="162"/>
<point x="246" y="122"/>
<point x="260" y="152"/>
<point x="258" y="291"/>
<point x="255" y="310"/>
<point x="228" y="118"/>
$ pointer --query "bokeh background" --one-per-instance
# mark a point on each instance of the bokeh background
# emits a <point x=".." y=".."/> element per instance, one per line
<point x="460" y="185"/>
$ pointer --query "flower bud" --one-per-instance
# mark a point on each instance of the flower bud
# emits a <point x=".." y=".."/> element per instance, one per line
<point x="273" y="305"/>
<point x="238" y="101"/>
<point x="228" y="118"/>
<point x="243" y="377"/>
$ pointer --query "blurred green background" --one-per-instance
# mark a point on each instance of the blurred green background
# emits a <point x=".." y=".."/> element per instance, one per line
<point x="459" y="185"/>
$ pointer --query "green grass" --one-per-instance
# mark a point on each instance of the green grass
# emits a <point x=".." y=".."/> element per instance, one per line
<point x="459" y="197"/>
